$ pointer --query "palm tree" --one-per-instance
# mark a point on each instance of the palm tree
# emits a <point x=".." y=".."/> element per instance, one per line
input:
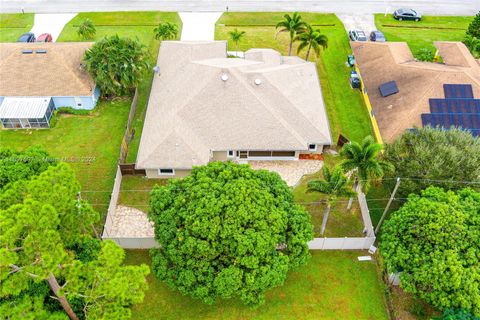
<point x="86" y="30"/>
<point x="311" y="39"/>
<point x="236" y="36"/>
<point x="362" y="160"/>
<point x="335" y="184"/>
<point x="166" y="31"/>
<point x="293" y="25"/>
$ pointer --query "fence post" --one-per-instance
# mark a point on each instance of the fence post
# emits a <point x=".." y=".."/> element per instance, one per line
<point x="388" y="205"/>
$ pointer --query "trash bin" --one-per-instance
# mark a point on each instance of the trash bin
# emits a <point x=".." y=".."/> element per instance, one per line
<point x="351" y="60"/>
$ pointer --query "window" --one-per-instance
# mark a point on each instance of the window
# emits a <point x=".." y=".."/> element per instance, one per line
<point x="230" y="153"/>
<point x="312" y="147"/>
<point x="166" y="172"/>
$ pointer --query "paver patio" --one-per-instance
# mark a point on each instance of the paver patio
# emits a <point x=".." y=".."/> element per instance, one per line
<point x="130" y="222"/>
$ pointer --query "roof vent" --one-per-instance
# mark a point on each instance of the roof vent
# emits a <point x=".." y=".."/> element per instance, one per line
<point x="41" y="51"/>
<point x="224" y="77"/>
<point x="258" y="81"/>
<point x="27" y="51"/>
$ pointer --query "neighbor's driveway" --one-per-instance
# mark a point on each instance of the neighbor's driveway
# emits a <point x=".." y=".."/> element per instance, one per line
<point x="51" y="23"/>
<point x="364" y="22"/>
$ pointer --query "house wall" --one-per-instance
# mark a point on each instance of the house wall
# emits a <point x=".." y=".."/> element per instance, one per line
<point x="179" y="173"/>
<point x="88" y="102"/>
<point x="1" y="100"/>
<point x="219" y="156"/>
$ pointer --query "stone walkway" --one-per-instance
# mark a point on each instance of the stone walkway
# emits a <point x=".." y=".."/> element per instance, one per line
<point x="130" y="222"/>
<point x="290" y="171"/>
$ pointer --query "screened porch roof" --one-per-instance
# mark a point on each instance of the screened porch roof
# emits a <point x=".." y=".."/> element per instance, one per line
<point x="24" y="108"/>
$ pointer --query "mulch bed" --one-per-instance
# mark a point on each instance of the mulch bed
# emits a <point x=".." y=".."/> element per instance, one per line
<point x="312" y="156"/>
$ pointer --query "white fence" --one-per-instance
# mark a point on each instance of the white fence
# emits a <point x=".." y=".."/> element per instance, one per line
<point x="346" y="243"/>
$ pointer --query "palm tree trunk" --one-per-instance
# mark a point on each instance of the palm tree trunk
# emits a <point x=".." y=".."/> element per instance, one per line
<point x="325" y="218"/>
<point x="308" y="52"/>
<point x="290" y="47"/>
<point x="350" y="201"/>
<point x="236" y="49"/>
<point x="52" y="281"/>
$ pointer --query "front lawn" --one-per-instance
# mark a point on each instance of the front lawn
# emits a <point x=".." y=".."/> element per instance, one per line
<point x="333" y="285"/>
<point x="345" y="108"/>
<point x="422" y="34"/>
<point x="13" y="25"/>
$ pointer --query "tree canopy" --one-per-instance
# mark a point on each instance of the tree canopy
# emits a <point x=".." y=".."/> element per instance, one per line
<point x="227" y="231"/>
<point x="293" y="25"/>
<point x="20" y="165"/>
<point x="433" y="240"/>
<point x="474" y="27"/>
<point x="311" y="39"/>
<point x="46" y="249"/>
<point x="86" y="30"/>
<point x="428" y="154"/>
<point x="166" y="31"/>
<point x="117" y="64"/>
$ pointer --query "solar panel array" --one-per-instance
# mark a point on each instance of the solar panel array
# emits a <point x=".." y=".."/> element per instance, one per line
<point x="458" y="109"/>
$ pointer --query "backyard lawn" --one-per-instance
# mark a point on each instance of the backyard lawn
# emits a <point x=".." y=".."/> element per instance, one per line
<point x="97" y="135"/>
<point x="333" y="285"/>
<point x="345" y="108"/>
<point x="13" y="25"/>
<point x="422" y="34"/>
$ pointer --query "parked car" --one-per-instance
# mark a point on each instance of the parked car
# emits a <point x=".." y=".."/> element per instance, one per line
<point x="407" y="14"/>
<point x="357" y="35"/>
<point x="27" y="37"/>
<point x="44" y="37"/>
<point x="377" y="36"/>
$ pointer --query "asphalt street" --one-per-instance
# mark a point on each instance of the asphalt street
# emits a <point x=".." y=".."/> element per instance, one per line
<point x="440" y="7"/>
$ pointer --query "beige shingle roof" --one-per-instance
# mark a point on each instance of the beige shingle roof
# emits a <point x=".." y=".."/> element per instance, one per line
<point x="54" y="73"/>
<point x="192" y="111"/>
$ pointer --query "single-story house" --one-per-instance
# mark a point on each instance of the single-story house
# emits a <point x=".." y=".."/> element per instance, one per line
<point x="34" y="72"/>
<point x="206" y="107"/>
<point x="417" y="81"/>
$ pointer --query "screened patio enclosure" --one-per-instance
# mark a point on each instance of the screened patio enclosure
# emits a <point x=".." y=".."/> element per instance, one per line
<point x="25" y="113"/>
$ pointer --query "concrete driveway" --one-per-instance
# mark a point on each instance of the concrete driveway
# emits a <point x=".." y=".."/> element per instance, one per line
<point x="198" y="26"/>
<point x="365" y="22"/>
<point x="51" y="23"/>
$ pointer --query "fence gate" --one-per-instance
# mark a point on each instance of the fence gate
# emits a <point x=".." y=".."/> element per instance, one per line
<point x="129" y="170"/>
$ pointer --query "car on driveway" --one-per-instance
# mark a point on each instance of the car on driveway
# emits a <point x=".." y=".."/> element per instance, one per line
<point x="407" y="14"/>
<point x="357" y="35"/>
<point x="27" y="37"/>
<point x="44" y="37"/>
<point x="377" y="36"/>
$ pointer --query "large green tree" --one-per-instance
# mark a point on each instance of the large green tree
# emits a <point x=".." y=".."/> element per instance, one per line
<point x="293" y="25"/>
<point x="117" y="64"/>
<point x="446" y="158"/>
<point x="20" y="165"/>
<point x="474" y="27"/>
<point x="46" y="240"/>
<point x="227" y="231"/>
<point x="311" y="39"/>
<point x="433" y="240"/>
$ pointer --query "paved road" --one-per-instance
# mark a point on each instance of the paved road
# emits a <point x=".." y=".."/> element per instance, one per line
<point x="434" y="7"/>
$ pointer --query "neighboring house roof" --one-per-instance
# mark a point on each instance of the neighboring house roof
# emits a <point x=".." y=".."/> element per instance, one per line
<point x="24" y="108"/>
<point x="193" y="111"/>
<point x="417" y="81"/>
<point x="58" y="72"/>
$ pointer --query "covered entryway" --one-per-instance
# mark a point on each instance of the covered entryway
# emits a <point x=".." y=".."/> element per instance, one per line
<point x="26" y="113"/>
<point x="266" y="155"/>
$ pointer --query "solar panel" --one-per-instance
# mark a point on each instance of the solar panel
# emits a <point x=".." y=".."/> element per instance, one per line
<point x="447" y="120"/>
<point x="388" y="88"/>
<point x="458" y="90"/>
<point x="454" y="105"/>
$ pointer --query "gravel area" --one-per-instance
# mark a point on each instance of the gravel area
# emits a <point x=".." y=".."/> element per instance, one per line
<point x="131" y="222"/>
<point x="290" y="171"/>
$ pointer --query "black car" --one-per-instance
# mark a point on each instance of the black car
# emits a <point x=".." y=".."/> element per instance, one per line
<point x="377" y="36"/>
<point x="27" y="37"/>
<point x="407" y="14"/>
<point x="357" y="35"/>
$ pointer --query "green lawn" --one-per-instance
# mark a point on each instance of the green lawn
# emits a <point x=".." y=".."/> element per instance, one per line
<point x="422" y="34"/>
<point x="13" y="25"/>
<point x="333" y="285"/>
<point x="98" y="135"/>
<point x="135" y="191"/>
<point x="345" y="108"/>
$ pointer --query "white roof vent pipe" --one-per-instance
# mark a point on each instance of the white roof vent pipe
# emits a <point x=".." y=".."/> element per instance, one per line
<point x="224" y="77"/>
<point x="258" y="81"/>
